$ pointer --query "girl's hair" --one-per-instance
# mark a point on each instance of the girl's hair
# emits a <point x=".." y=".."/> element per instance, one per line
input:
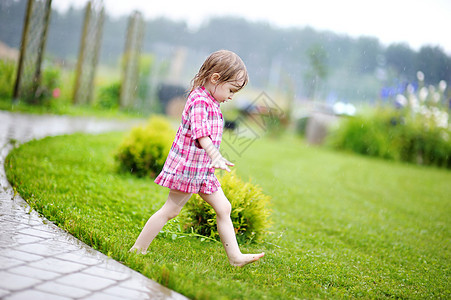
<point x="227" y="64"/>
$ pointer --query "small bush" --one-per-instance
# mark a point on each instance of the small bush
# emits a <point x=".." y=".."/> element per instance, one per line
<point x="109" y="95"/>
<point x="144" y="151"/>
<point x="250" y="212"/>
<point x="369" y="135"/>
<point x="7" y="77"/>
<point x="50" y="80"/>
<point x="425" y="145"/>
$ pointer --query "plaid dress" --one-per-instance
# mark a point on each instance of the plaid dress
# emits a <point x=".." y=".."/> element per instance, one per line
<point x="186" y="167"/>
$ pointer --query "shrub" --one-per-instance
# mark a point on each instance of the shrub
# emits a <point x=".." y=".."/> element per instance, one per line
<point x="428" y="145"/>
<point x="50" y="80"/>
<point x="418" y="131"/>
<point x="109" y="95"/>
<point x="250" y="212"/>
<point x="369" y="135"/>
<point x="392" y="135"/>
<point x="7" y="77"/>
<point x="144" y="151"/>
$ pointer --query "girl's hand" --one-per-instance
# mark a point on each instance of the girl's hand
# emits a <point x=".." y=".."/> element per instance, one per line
<point x="221" y="163"/>
<point x="217" y="160"/>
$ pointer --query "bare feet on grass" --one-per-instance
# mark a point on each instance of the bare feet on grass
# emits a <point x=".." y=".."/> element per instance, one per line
<point x="137" y="250"/>
<point x="245" y="259"/>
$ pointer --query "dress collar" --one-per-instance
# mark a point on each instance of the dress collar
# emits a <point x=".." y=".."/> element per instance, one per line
<point x="209" y="96"/>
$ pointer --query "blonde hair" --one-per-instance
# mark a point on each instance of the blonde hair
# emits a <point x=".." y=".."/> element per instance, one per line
<point x="227" y="64"/>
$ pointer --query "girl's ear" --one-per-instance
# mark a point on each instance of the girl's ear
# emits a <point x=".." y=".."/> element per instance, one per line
<point x="214" y="78"/>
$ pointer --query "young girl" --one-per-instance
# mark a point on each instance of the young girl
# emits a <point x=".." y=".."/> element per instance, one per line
<point x="194" y="156"/>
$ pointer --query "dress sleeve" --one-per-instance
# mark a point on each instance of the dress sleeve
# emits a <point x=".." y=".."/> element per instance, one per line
<point x="200" y="126"/>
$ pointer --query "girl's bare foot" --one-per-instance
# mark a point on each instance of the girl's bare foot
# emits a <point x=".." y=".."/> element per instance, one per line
<point x="137" y="250"/>
<point x="245" y="259"/>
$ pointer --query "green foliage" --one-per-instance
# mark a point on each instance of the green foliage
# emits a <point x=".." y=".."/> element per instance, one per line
<point x="424" y="145"/>
<point x="353" y="56"/>
<point x="318" y="61"/>
<point x="276" y="125"/>
<point x="369" y="135"/>
<point x="301" y="126"/>
<point x="391" y="134"/>
<point x="146" y="63"/>
<point x="250" y="212"/>
<point x="317" y="73"/>
<point x="345" y="226"/>
<point x="7" y="77"/>
<point x="50" y="81"/>
<point x="144" y="151"/>
<point x="108" y="96"/>
<point x="419" y="131"/>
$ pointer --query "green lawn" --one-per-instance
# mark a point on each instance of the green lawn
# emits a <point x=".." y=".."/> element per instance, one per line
<point x="344" y="225"/>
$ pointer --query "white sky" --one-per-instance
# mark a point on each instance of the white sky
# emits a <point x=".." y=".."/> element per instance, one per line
<point x="416" y="23"/>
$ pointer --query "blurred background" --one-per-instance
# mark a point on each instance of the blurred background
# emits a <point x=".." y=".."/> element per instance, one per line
<point x="369" y="77"/>
<point x="139" y="56"/>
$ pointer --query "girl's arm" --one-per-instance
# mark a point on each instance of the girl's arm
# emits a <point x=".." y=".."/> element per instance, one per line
<point x="217" y="160"/>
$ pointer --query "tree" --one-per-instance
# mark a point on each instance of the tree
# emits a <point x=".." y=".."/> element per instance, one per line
<point x="258" y="43"/>
<point x="434" y="63"/>
<point x="318" y="72"/>
<point x="401" y="59"/>
<point x="368" y="49"/>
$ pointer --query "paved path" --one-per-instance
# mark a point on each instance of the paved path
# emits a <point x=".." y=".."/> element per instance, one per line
<point x="38" y="260"/>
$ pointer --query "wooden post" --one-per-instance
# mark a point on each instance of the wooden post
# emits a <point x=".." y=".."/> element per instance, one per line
<point x="43" y="41"/>
<point x="35" y="28"/>
<point x="131" y="60"/>
<point x="23" y="45"/>
<point x="81" y="56"/>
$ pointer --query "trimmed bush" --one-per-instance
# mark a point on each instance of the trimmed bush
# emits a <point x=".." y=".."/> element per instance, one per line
<point x="369" y="135"/>
<point x="144" y="151"/>
<point x="250" y="212"/>
<point x="393" y="134"/>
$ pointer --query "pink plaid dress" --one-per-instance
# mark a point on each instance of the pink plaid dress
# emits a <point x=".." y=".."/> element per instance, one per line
<point x="186" y="167"/>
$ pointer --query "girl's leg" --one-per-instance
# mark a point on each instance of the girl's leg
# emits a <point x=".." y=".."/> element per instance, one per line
<point x="174" y="204"/>
<point x="226" y="231"/>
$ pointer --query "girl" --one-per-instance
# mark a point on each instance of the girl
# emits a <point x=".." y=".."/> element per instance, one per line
<point x="194" y="156"/>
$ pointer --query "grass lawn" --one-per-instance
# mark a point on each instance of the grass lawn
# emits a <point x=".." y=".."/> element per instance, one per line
<point x="345" y="226"/>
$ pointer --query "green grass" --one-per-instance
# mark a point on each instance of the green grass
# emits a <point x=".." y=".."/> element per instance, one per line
<point x="345" y="226"/>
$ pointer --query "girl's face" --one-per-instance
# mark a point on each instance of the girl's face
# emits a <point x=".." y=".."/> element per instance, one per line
<point x="223" y="91"/>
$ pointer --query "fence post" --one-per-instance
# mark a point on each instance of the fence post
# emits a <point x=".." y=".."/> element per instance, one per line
<point x="131" y="57"/>
<point x="89" y="52"/>
<point x="32" y="48"/>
